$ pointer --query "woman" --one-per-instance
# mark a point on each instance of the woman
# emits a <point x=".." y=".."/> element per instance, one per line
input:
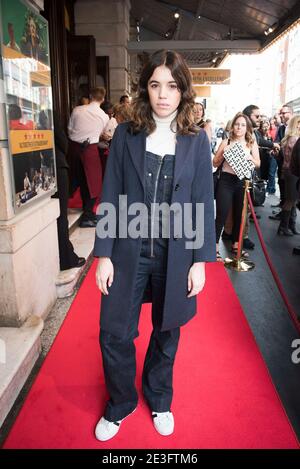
<point x="199" y="113"/>
<point x="288" y="214"/>
<point x="295" y="170"/>
<point x="230" y="188"/>
<point x="268" y="163"/>
<point x="264" y="152"/>
<point x="122" y="113"/>
<point x="160" y="156"/>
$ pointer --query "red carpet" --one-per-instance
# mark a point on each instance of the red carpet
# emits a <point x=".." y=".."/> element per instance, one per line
<point x="223" y="397"/>
<point x="75" y="201"/>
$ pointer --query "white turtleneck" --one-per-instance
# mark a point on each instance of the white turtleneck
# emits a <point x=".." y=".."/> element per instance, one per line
<point x="163" y="140"/>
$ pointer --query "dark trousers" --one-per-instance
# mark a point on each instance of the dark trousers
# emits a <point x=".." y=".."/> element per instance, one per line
<point x="118" y="354"/>
<point x="87" y="202"/>
<point x="78" y="173"/>
<point x="67" y="256"/>
<point x="230" y="193"/>
<point x="281" y="181"/>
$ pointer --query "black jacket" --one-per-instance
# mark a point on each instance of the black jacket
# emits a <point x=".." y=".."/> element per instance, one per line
<point x="61" y="144"/>
<point x="295" y="159"/>
<point x="262" y="142"/>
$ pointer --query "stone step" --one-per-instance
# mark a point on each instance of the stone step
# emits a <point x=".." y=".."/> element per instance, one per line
<point x="74" y="215"/>
<point x="19" y="349"/>
<point x="83" y="242"/>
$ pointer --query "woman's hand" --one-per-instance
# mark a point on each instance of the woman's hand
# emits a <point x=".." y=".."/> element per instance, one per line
<point x="196" y="278"/>
<point x="104" y="274"/>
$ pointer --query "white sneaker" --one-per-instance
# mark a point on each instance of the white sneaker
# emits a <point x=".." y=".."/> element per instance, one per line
<point x="106" y="430"/>
<point x="163" y="422"/>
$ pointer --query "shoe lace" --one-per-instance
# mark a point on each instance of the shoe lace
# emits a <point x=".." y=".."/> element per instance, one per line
<point x="107" y="423"/>
<point x="163" y="416"/>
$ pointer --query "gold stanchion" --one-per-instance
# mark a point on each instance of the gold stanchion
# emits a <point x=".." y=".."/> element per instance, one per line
<point x="239" y="263"/>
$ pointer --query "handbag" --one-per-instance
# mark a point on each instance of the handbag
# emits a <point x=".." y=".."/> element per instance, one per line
<point x="216" y="178"/>
<point x="237" y="159"/>
<point x="258" y="190"/>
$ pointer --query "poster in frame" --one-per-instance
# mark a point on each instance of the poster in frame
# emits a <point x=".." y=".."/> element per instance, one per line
<point x="28" y="98"/>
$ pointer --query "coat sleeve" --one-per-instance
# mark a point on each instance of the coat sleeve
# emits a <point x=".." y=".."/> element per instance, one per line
<point x="112" y="188"/>
<point x="295" y="159"/>
<point x="203" y="192"/>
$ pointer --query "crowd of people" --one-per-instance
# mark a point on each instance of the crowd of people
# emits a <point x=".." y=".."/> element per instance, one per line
<point x="268" y="142"/>
<point x="275" y="137"/>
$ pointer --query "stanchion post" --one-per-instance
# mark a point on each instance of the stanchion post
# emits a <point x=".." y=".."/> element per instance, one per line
<point x="238" y="263"/>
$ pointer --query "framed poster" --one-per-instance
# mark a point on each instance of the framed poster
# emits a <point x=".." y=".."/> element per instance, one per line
<point x="28" y="98"/>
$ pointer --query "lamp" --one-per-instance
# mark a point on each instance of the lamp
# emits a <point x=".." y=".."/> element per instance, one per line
<point x="270" y="29"/>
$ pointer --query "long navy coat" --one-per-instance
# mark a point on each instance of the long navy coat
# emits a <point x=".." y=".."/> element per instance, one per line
<point x="192" y="182"/>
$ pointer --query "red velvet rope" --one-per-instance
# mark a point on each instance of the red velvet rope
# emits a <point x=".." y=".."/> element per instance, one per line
<point x="274" y="273"/>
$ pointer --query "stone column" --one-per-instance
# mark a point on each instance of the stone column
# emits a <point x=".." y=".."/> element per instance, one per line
<point x="108" y="22"/>
<point x="29" y="260"/>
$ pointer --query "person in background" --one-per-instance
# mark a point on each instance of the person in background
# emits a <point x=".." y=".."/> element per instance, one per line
<point x="265" y="154"/>
<point x="287" y="225"/>
<point x="295" y="170"/>
<point x="112" y="124"/>
<point x="12" y="42"/>
<point x="84" y="100"/>
<point x="273" y="128"/>
<point x="68" y="259"/>
<point x="122" y="113"/>
<point x="230" y="192"/>
<point x="124" y="99"/>
<point x="199" y="113"/>
<point x="86" y="124"/>
<point x="253" y="112"/>
<point x="15" y="118"/>
<point x="142" y="166"/>
<point x="285" y="113"/>
<point x="107" y="134"/>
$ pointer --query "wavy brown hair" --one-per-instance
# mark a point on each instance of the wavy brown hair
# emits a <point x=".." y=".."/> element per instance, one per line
<point x="141" y="109"/>
<point x="249" y="129"/>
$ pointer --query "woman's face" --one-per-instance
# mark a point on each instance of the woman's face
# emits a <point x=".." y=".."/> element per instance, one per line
<point x="240" y="127"/>
<point x="198" y="112"/>
<point x="32" y="28"/>
<point x="265" y="126"/>
<point x="164" y="95"/>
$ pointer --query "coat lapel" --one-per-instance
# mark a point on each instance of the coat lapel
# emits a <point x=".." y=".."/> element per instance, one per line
<point x="137" y="147"/>
<point x="182" y="149"/>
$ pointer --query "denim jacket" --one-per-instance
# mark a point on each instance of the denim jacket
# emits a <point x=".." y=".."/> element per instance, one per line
<point x="158" y="183"/>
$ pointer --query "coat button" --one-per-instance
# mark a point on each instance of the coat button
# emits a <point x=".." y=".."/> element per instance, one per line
<point x="176" y="187"/>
